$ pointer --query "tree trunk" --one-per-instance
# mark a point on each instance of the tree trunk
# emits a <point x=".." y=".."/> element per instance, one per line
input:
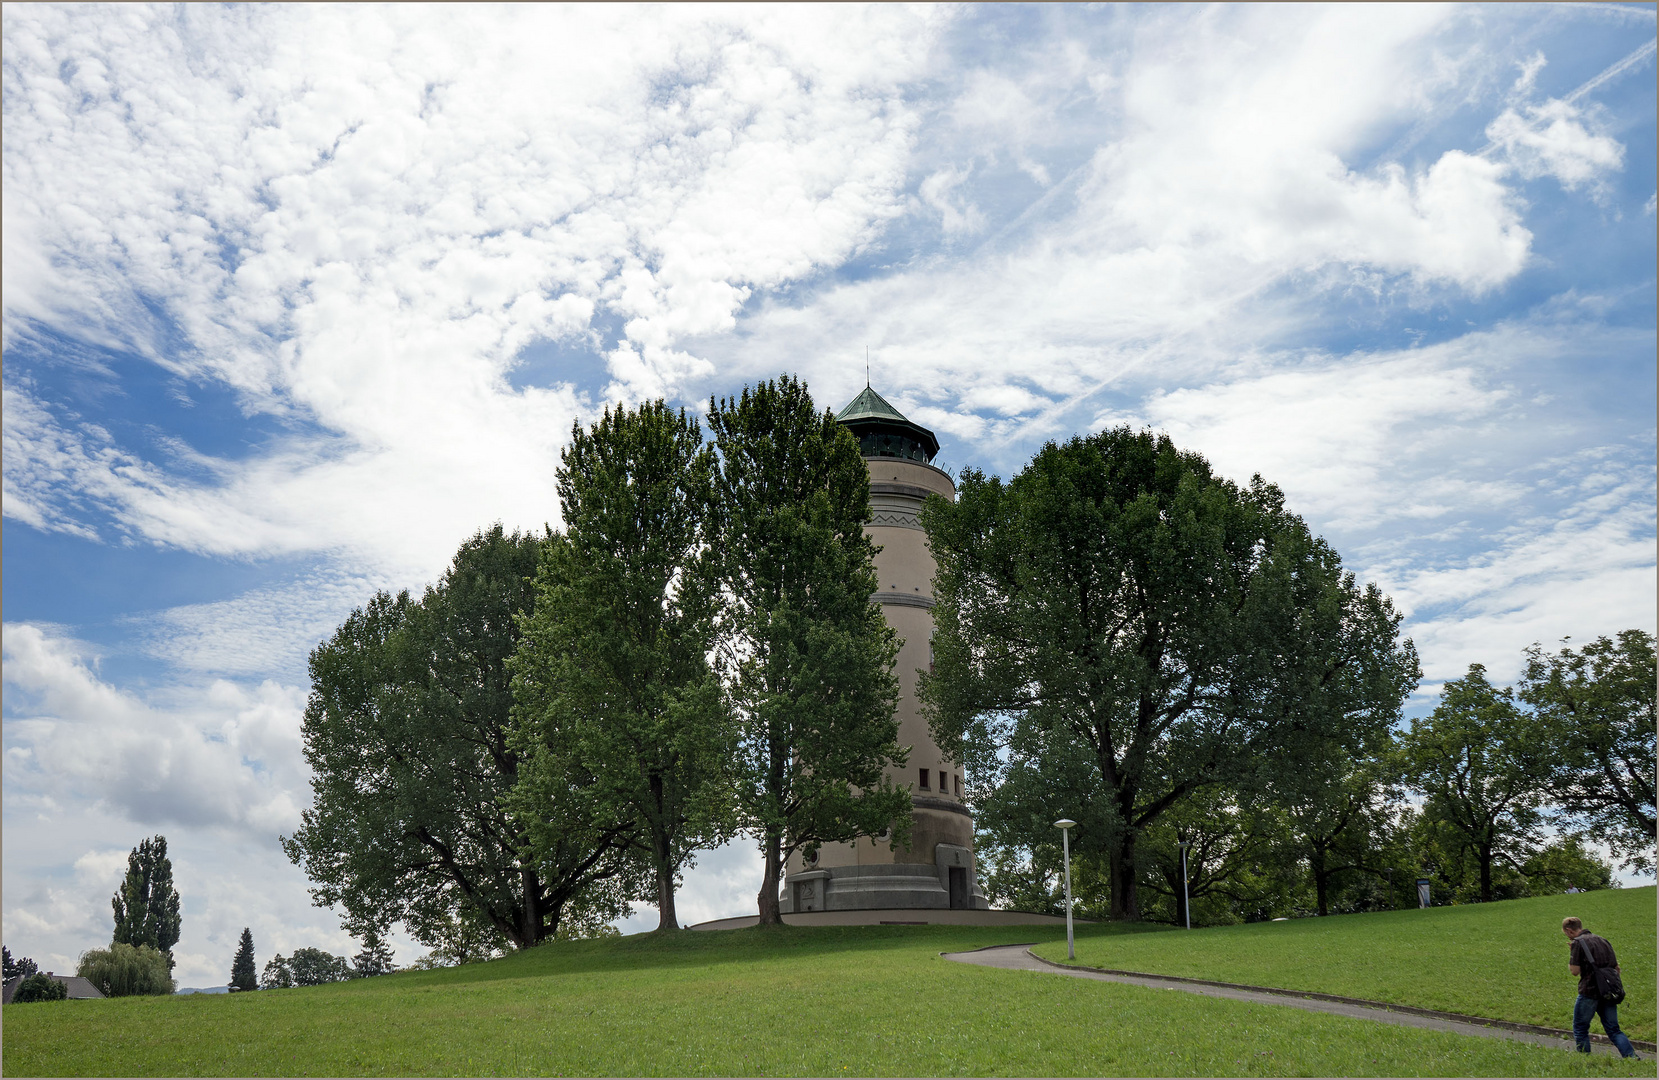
<point x="667" y="918"/>
<point x="530" y="929"/>
<point x="1485" y="854"/>
<point x="662" y="852"/>
<point x="773" y="868"/>
<point x="1125" y="901"/>
<point x="1321" y="883"/>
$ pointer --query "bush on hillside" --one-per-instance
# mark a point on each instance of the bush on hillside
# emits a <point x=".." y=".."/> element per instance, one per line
<point x="313" y="967"/>
<point x="38" y="987"/>
<point x="124" y="970"/>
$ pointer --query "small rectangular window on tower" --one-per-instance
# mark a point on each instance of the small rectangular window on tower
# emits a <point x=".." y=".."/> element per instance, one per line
<point x="944" y="782"/>
<point x="958" y="779"/>
<point x="925" y="773"/>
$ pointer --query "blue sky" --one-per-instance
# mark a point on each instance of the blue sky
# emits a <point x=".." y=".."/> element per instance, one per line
<point x="296" y="298"/>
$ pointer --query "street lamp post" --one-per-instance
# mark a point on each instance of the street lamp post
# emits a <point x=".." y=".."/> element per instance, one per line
<point x="1065" y="825"/>
<point x="1186" y="904"/>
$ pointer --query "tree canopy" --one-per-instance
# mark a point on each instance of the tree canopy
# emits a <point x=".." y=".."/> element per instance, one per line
<point x="1479" y="760"/>
<point x="1595" y="707"/>
<point x="616" y="696"/>
<point x="1130" y="628"/>
<point x="406" y="735"/>
<point x="147" y="906"/>
<point x="122" y="970"/>
<point x="243" y="974"/>
<point x="22" y="966"/>
<point x="39" y="987"/>
<point x="807" y="657"/>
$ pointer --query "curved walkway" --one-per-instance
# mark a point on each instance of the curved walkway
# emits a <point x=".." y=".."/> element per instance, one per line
<point x="1020" y="958"/>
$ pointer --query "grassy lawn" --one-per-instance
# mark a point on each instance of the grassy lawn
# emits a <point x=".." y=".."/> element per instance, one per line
<point x="1506" y="960"/>
<point x="798" y="1001"/>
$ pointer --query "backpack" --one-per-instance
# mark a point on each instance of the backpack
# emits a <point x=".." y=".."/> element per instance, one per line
<point x="1609" y="987"/>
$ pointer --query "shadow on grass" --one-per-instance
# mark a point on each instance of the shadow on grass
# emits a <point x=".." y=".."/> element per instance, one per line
<point x="707" y="948"/>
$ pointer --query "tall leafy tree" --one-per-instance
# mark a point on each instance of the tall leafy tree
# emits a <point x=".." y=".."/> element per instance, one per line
<point x="1596" y="707"/>
<point x="1339" y="808"/>
<point x="243" y="974"/>
<point x="1232" y="857"/>
<point x="1479" y="761"/>
<point x="147" y="906"/>
<point x="808" y="657"/>
<point x="277" y="974"/>
<point x="313" y="967"/>
<point x="615" y="691"/>
<point x="406" y="735"/>
<point x="1117" y="605"/>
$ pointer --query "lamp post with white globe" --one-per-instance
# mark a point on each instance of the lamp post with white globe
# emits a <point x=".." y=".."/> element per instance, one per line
<point x="1065" y="825"/>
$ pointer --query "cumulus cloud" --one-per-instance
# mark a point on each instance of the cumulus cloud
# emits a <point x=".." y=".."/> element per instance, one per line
<point x="1551" y="140"/>
<point x="223" y="755"/>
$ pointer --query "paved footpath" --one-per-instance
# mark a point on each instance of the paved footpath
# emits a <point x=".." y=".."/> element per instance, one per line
<point x="1020" y="958"/>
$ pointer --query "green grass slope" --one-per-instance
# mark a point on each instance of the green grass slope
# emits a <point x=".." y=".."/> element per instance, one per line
<point x="1506" y="960"/>
<point x="796" y="1001"/>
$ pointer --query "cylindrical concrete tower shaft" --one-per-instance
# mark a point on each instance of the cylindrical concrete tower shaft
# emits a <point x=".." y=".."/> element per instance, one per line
<point x="937" y="869"/>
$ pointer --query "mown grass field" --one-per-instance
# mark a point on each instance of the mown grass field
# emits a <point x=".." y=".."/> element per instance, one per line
<point x="1505" y="960"/>
<point x="798" y="1001"/>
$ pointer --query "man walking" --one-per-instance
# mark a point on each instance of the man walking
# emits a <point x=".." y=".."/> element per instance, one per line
<point x="1586" y="953"/>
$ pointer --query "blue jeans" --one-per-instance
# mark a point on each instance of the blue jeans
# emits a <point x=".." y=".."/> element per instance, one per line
<point x="1609" y="1012"/>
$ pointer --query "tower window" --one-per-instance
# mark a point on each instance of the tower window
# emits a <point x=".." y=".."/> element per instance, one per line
<point x="925" y="773"/>
<point x="944" y="782"/>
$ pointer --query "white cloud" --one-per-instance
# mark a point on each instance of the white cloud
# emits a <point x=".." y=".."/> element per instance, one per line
<point x="1551" y="140"/>
<point x="222" y="755"/>
<point x="1530" y="67"/>
<point x="1585" y="571"/>
<point x="263" y="632"/>
<point x="956" y="216"/>
<point x="1355" y="440"/>
<point x="360" y="216"/>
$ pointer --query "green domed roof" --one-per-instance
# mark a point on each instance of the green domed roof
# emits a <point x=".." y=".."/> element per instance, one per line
<point x="883" y="431"/>
<point x="869" y="405"/>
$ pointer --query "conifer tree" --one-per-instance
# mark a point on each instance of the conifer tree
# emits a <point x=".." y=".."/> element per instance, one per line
<point x="376" y="957"/>
<point x="243" y="974"/>
<point x="147" y="905"/>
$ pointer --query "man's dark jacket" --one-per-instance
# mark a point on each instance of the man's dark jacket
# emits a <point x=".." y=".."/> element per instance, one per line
<point x="1590" y="951"/>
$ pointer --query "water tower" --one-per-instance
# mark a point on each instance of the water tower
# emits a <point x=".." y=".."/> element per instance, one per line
<point x="937" y="869"/>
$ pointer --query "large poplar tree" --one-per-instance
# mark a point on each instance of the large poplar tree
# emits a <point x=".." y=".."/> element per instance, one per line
<point x="613" y="682"/>
<point x="406" y="736"/>
<point x="147" y="906"/>
<point x="808" y="658"/>
<point x="1123" y="620"/>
